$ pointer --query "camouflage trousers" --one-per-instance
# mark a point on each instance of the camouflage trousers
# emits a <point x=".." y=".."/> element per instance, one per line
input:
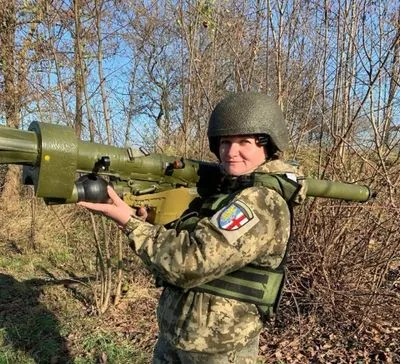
<point x="165" y="353"/>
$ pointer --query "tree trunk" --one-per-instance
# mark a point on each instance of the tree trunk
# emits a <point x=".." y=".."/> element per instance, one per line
<point x="10" y="193"/>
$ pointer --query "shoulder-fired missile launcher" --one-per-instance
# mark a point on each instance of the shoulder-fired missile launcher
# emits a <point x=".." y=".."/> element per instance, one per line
<point x="64" y="169"/>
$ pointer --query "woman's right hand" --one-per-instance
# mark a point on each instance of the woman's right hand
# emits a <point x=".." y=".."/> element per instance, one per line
<point x="116" y="209"/>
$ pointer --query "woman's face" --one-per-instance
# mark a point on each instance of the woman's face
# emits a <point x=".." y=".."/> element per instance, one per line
<point x="240" y="154"/>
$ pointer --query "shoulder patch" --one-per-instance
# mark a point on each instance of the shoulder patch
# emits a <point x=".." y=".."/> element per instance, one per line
<point x="234" y="220"/>
<point x="234" y="216"/>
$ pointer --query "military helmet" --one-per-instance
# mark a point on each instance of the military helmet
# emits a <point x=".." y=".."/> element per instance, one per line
<point x="248" y="113"/>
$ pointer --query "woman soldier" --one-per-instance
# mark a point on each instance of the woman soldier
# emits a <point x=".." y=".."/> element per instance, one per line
<point x="222" y="264"/>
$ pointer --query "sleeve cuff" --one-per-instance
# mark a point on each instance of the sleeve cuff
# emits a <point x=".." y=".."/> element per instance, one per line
<point x="131" y="225"/>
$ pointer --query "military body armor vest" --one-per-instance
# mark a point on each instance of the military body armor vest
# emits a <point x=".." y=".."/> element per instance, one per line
<point x="254" y="284"/>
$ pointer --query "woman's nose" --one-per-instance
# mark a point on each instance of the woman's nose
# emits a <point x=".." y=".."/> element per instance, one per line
<point x="232" y="150"/>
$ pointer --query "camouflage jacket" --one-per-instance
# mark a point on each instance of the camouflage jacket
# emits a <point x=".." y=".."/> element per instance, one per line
<point x="197" y="321"/>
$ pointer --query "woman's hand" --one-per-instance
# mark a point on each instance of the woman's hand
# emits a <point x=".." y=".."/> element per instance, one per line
<point x="116" y="208"/>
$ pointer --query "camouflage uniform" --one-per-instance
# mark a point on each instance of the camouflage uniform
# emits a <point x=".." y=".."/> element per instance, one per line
<point x="199" y="326"/>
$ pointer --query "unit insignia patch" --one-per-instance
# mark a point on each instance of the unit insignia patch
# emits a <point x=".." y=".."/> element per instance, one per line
<point x="234" y="216"/>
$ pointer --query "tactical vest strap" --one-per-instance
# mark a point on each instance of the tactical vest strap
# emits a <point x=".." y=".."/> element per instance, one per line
<point x="252" y="284"/>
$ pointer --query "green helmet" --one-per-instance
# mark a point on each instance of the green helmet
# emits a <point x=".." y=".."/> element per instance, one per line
<point x="248" y="113"/>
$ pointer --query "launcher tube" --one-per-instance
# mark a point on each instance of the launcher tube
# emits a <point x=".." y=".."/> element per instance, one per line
<point x="18" y="147"/>
<point x="339" y="190"/>
<point x="52" y="155"/>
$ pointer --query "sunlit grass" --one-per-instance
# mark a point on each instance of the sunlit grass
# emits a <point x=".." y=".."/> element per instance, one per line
<point x="103" y="345"/>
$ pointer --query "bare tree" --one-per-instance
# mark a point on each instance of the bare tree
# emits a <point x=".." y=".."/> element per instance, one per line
<point x="14" y="68"/>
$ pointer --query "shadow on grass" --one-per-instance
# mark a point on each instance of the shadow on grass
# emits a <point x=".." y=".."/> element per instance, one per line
<point x="28" y="326"/>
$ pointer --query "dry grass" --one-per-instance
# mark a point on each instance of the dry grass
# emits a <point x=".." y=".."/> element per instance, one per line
<point x="48" y="265"/>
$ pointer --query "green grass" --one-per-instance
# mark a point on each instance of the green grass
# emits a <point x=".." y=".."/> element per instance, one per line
<point x="94" y="347"/>
<point x="43" y="320"/>
<point x="21" y="264"/>
<point x="115" y="350"/>
<point x="9" y="356"/>
<point x="27" y="326"/>
<point x="37" y="322"/>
